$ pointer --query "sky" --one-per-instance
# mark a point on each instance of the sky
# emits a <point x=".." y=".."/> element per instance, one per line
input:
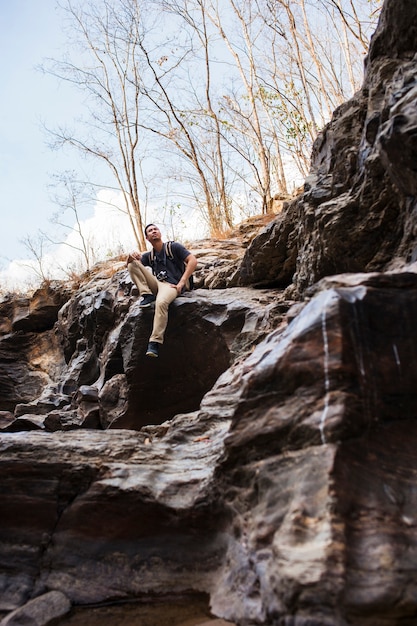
<point x="31" y="31"/>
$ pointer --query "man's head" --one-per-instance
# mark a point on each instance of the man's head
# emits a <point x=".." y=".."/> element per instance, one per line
<point x="152" y="233"/>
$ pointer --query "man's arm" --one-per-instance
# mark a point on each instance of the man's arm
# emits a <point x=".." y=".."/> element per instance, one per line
<point x="143" y="257"/>
<point x="190" y="265"/>
<point x="133" y="256"/>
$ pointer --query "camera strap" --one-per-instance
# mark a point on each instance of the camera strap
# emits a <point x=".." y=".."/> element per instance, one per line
<point x="156" y="260"/>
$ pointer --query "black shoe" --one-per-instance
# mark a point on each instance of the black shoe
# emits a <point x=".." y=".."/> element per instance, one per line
<point x="153" y="349"/>
<point x="147" y="300"/>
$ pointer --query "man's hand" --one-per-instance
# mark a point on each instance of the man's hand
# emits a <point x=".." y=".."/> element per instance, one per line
<point x="190" y="265"/>
<point x="133" y="256"/>
<point x="179" y="286"/>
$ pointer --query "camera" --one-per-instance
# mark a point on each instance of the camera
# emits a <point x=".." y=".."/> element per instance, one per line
<point x="162" y="275"/>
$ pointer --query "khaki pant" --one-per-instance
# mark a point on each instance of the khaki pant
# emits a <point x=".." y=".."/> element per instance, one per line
<point x="165" y="293"/>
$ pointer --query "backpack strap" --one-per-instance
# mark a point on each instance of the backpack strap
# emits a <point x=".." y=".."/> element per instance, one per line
<point x="168" y="250"/>
<point x="152" y="256"/>
<point x="152" y="259"/>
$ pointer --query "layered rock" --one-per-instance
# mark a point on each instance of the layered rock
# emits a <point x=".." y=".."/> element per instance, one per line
<point x="30" y="352"/>
<point x="280" y="496"/>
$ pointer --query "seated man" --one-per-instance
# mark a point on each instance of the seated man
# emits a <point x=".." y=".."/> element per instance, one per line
<point x="169" y="278"/>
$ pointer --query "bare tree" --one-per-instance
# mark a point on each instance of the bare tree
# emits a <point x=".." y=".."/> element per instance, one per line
<point x="71" y="200"/>
<point x="248" y="75"/>
<point x="37" y="245"/>
<point x="312" y="63"/>
<point x="227" y="99"/>
<point x="186" y="117"/>
<point x="106" y="36"/>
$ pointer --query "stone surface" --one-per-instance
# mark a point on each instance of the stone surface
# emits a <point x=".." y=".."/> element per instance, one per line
<point x="29" y="363"/>
<point x="186" y="611"/>
<point x="279" y="494"/>
<point x="90" y="370"/>
<point x="41" y="611"/>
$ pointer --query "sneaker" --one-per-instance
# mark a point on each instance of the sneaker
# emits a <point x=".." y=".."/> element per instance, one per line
<point x="147" y="300"/>
<point x="153" y="349"/>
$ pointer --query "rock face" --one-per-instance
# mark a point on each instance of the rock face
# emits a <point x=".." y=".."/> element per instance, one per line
<point x="290" y="490"/>
<point x="267" y="458"/>
<point x="90" y="370"/>
<point x="30" y="353"/>
<point x="358" y="209"/>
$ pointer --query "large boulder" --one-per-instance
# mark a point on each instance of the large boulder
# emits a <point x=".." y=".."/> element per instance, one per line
<point x="287" y="495"/>
<point x="90" y="369"/>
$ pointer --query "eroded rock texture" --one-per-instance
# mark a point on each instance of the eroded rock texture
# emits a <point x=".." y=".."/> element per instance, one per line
<point x="267" y="458"/>
<point x="358" y="209"/>
<point x="289" y="492"/>
<point x="90" y="370"/>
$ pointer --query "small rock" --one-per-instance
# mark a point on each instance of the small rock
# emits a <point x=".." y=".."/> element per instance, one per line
<point x="40" y="611"/>
<point x="6" y="417"/>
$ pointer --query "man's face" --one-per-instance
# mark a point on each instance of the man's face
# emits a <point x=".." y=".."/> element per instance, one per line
<point x="153" y="233"/>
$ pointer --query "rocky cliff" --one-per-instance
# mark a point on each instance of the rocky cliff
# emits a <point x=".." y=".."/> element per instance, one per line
<point x="266" y="461"/>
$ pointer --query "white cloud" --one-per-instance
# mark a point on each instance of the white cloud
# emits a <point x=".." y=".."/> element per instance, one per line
<point x="106" y="234"/>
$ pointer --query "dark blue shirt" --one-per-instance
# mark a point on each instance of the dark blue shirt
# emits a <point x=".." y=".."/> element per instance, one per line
<point x="163" y="263"/>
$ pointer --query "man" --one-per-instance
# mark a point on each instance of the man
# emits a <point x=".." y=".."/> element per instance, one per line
<point x="167" y="281"/>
